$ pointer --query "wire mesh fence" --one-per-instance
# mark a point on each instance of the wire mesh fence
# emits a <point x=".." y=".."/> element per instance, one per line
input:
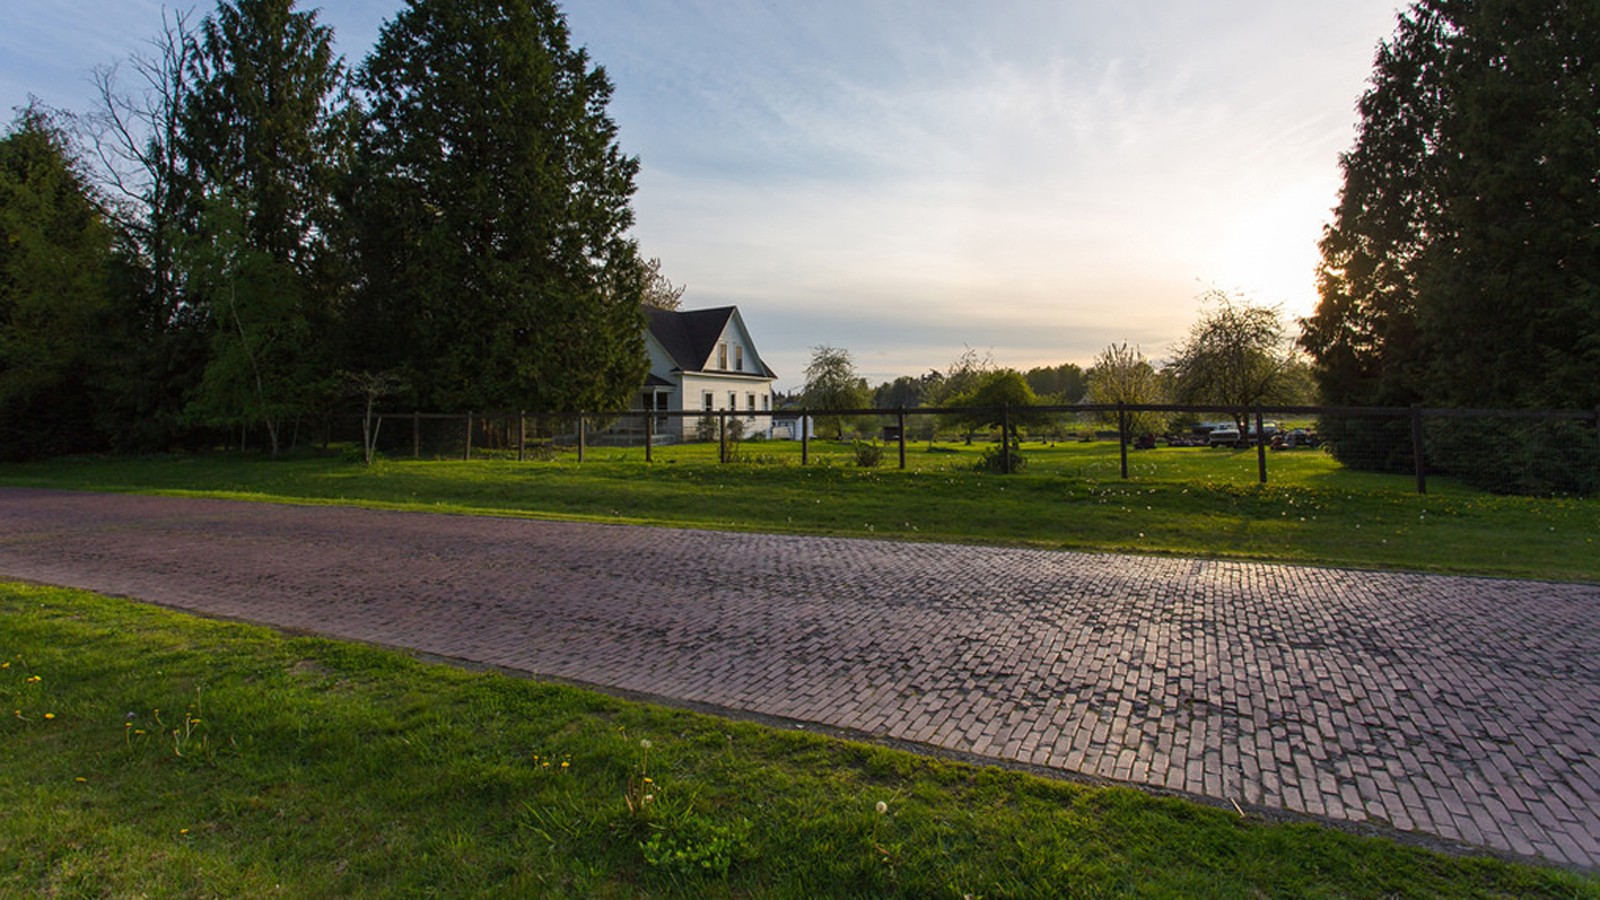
<point x="1505" y="451"/>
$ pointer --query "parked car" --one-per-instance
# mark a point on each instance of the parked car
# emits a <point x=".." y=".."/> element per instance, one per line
<point x="1295" y="439"/>
<point x="1223" y="436"/>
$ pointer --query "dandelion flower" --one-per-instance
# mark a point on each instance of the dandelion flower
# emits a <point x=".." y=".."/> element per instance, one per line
<point x="883" y="808"/>
<point x="183" y="831"/>
<point x="81" y="780"/>
<point x="649" y="781"/>
<point x="645" y="743"/>
<point x="49" y="715"/>
<point x="565" y="764"/>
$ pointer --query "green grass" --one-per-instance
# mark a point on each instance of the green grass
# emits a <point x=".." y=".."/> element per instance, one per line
<point x="1186" y="501"/>
<point x="151" y="753"/>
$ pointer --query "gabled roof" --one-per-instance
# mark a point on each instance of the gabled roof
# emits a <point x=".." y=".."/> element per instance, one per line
<point x="690" y="337"/>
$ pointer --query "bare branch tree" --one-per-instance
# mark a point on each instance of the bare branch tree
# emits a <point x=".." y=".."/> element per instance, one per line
<point x="135" y="139"/>
<point x="660" y="293"/>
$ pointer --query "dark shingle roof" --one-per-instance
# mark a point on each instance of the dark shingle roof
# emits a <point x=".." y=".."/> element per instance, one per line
<point x="689" y="337"/>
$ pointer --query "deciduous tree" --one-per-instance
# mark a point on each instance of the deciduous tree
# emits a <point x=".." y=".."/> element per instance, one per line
<point x="659" y="291"/>
<point x="832" y="384"/>
<point x="1121" y="374"/>
<point x="1237" y="355"/>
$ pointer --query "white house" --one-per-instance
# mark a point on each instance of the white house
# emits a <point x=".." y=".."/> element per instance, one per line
<point x="703" y="360"/>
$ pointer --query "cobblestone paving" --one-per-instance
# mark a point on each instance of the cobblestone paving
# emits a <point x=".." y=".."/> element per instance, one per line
<point x="1465" y="709"/>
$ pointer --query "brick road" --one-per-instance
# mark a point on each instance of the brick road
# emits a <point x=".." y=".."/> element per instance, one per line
<point x="1456" y="708"/>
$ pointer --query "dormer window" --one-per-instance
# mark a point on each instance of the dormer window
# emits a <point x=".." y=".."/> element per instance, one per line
<point x="722" y="357"/>
<point x="738" y="357"/>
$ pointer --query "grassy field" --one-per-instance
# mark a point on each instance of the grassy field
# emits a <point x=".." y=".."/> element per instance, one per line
<point x="148" y="753"/>
<point x="1190" y="501"/>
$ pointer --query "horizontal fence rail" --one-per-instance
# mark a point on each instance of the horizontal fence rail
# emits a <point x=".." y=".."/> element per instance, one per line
<point x="1400" y="439"/>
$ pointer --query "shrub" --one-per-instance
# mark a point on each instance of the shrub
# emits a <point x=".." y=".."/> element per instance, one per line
<point x="868" y="454"/>
<point x="993" y="459"/>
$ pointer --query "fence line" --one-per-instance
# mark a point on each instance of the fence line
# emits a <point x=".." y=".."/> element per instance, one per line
<point x="581" y="427"/>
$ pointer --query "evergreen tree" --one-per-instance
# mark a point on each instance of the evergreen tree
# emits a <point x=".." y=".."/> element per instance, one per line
<point x="1511" y="294"/>
<point x="55" y="253"/>
<point x="268" y="136"/>
<point x="494" y="202"/>
<point x="1462" y="267"/>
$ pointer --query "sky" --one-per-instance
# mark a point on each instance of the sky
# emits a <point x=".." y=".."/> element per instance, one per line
<point x="1031" y="179"/>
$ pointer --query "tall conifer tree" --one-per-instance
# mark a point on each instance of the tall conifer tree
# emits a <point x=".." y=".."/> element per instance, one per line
<point x="494" y="205"/>
<point x="269" y="135"/>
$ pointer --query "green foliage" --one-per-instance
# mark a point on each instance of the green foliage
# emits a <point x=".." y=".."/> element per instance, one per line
<point x="267" y="138"/>
<point x="1236" y="355"/>
<point x="869" y="454"/>
<point x="1000" y="399"/>
<point x="494" y="208"/>
<point x="264" y="366"/>
<point x="693" y="847"/>
<point x="55" y="268"/>
<point x="907" y="391"/>
<point x="832" y="384"/>
<point x="267" y="124"/>
<point x="994" y="459"/>
<point x="1121" y="374"/>
<point x="158" y="338"/>
<point x="1517" y="457"/>
<point x="1058" y="385"/>
<point x="707" y="428"/>
<point x="1462" y="268"/>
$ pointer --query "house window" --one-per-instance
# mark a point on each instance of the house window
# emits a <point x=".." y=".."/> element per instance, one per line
<point x="733" y="400"/>
<point x="738" y="357"/>
<point x="750" y="402"/>
<point x="722" y="357"/>
<point x="766" y="402"/>
<point x="709" y="400"/>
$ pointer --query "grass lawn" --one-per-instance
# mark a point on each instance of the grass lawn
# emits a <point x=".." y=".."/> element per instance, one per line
<point x="1188" y="501"/>
<point x="151" y="753"/>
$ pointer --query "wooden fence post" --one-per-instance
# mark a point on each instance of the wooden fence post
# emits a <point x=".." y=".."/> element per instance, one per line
<point x="902" y="419"/>
<point x="416" y="434"/>
<point x="1005" y="439"/>
<point x="1418" y="461"/>
<point x="722" y="437"/>
<point x="1122" y="436"/>
<point x="805" y="437"/>
<point x="1261" y="445"/>
<point x="522" y="435"/>
<point x="650" y="431"/>
<point x="466" y="455"/>
<point x="581" y="437"/>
